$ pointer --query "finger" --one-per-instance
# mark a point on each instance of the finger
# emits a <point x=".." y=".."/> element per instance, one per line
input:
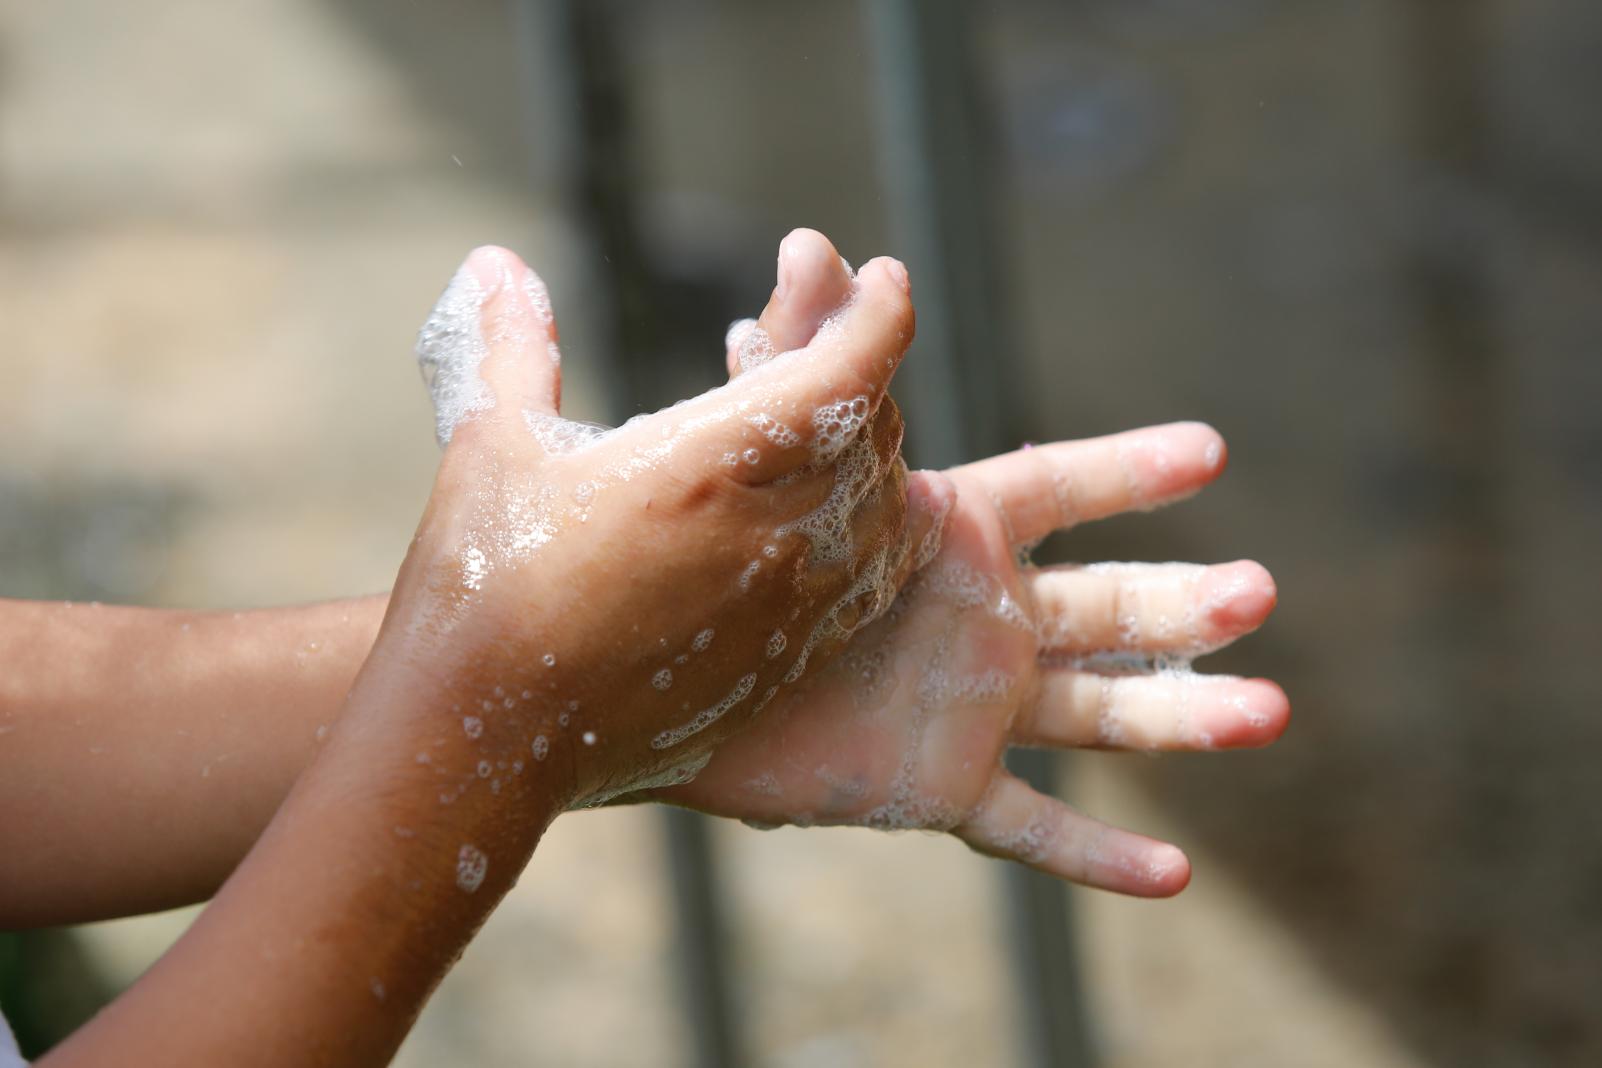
<point x="1150" y="608"/>
<point x="813" y="282"/>
<point x="845" y="527"/>
<point x="915" y="503"/>
<point x="882" y="475"/>
<point x="490" y="341"/>
<point x="878" y="522"/>
<point x="1162" y="711"/>
<point x="930" y="498"/>
<point x="806" y="407"/>
<point x="1015" y="822"/>
<point x="1053" y="487"/>
<point x="733" y="340"/>
<point x="523" y="359"/>
<point x="878" y="529"/>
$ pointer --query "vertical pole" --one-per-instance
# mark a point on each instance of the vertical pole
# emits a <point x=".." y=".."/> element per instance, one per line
<point x="575" y="77"/>
<point x="1463" y="408"/>
<point x="933" y="154"/>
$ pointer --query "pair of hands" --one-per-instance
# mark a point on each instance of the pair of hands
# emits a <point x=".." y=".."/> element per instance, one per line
<point x="711" y="589"/>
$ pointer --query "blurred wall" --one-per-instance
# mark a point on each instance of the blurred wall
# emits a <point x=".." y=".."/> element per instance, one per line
<point x="1362" y="239"/>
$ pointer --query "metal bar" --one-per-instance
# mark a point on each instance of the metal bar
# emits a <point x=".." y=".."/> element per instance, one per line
<point x="702" y="939"/>
<point x="954" y="387"/>
<point x="576" y="78"/>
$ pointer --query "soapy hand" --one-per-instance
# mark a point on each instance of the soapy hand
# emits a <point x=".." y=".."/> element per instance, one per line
<point x="982" y="652"/>
<point x="608" y="604"/>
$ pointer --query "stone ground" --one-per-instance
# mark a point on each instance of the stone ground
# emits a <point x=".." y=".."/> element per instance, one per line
<point x="223" y="224"/>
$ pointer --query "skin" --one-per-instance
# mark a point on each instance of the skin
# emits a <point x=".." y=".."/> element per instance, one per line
<point x="188" y="756"/>
<point x="415" y="817"/>
<point x="872" y="742"/>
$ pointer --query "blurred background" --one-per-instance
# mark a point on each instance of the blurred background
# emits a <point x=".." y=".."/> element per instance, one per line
<point x="1363" y="239"/>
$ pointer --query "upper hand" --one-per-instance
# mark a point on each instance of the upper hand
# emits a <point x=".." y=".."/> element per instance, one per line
<point x="598" y="607"/>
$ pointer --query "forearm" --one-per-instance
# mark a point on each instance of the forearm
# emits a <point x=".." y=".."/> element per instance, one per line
<point x="142" y="752"/>
<point x="324" y="944"/>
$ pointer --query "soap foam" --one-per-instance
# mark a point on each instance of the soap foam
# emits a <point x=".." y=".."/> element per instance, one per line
<point x="674" y="775"/>
<point x="1180" y="631"/>
<point x="560" y="436"/>
<point x="471" y="866"/>
<point x="707" y="716"/>
<point x="450" y="350"/>
<point x="756" y="347"/>
<point x="735" y="335"/>
<point x="834" y="426"/>
<point x="827" y="527"/>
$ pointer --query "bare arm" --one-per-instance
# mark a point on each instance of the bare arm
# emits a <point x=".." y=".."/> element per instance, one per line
<point x="142" y="752"/>
<point x="323" y="946"/>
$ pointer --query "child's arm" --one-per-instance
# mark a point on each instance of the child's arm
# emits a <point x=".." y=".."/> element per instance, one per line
<point x="143" y="751"/>
<point x="324" y="944"/>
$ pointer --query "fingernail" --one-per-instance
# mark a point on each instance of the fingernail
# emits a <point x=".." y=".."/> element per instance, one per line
<point x="492" y="267"/>
<point x="785" y="271"/>
<point x="898" y="272"/>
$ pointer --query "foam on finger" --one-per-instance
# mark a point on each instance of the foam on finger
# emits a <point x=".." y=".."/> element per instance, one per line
<point x="450" y="352"/>
<point x="1016" y="822"/>
<point x="1181" y="610"/>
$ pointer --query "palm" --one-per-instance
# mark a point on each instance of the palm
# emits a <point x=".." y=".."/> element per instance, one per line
<point x="895" y="731"/>
<point x="907" y="727"/>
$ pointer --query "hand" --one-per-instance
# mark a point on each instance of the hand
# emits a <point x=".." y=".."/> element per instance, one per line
<point x="982" y="652"/>
<point x="608" y="604"/>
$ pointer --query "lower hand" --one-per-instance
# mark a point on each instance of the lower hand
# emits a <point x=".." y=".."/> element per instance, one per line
<point x="983" y="652"/>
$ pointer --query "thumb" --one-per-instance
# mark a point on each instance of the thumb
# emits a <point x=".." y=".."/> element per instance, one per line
<point x="490" y="343"/>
